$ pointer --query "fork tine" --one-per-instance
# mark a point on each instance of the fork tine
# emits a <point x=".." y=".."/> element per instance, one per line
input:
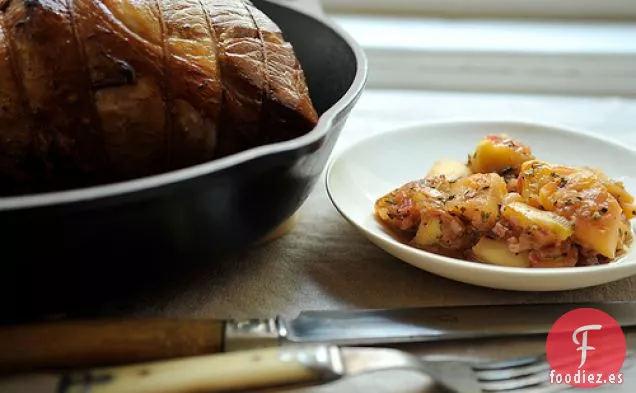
<point x="525" y="381"/>
<point x="542" y="389"/>
<point x="506" y="363"/>
<point x="527" y="377"/>
<point x="513" y="372"/>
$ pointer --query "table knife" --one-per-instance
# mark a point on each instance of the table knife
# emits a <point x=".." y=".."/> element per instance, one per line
<point x="103" y="342"/>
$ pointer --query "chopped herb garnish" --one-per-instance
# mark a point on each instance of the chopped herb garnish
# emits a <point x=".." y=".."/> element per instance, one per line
<point x="563" y="182"/>
<point x="596" y="216"/>
<point x="485" y="216"/>
<point x="390" y="201"/>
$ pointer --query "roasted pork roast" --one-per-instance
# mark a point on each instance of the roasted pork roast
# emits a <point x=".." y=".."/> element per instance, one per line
<point x="96" y="91"/>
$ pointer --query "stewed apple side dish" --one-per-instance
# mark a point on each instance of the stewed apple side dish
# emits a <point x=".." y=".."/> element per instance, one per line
<point x="505" y="207"/>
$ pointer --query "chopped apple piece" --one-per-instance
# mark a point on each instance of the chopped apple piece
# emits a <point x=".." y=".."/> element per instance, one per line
<point x="450" y="169"/>
<point x="496" y="252"/>
<point x="499" y="154"/>
<point x="528" y="218"/>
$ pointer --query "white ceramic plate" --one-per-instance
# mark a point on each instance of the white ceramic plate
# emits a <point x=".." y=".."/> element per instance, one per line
<point x="374" y="166"/>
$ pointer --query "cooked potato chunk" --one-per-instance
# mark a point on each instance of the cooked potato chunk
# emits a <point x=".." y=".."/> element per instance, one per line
<point x="578" y="195"/>
<point x="499" y="154"/>
<point x="496" y="252"/>
<point x="617" y="189"/>
<point x="600" y="231"/>
<point x="401" y="208"/>
<point x="429" y="233"/>
<point x="450" y="169"/>
<point x="529" y="218"/>
<point x="477" y="199"/>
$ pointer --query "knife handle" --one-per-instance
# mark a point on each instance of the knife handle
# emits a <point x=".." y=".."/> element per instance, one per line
<point x="231" y="371"/>
<point x="61" y="345"/>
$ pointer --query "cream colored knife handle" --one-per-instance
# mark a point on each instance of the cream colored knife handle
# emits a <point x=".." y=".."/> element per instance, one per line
<point x="246" y="370"/>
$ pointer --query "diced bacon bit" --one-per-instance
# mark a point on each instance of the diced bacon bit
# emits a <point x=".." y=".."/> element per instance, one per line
<point x="469" y="255"/>
<point x="564" y="255"/>
<point x="494" y="138"/>
<point x="589" y="257"/>
<point x="500" y="230"/>
<point x="591" y="260"/>
<point x="456" y="227"/>
<point x="541" y="238"/>
<point x="453" y="231"/>
<point x="519" y="244"/>
<point x="405" y="215"/>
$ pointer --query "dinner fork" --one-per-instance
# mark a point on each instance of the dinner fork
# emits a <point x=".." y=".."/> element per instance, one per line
<point x="300" y="365"/>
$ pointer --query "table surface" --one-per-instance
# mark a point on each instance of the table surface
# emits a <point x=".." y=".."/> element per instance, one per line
<point x="324" y="263"/>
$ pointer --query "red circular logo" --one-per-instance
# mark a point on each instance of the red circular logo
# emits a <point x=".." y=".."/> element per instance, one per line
<point x="586" y="348"/>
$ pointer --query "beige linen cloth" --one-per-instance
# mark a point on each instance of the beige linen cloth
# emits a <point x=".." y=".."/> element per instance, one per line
<point x="324" y="263"/>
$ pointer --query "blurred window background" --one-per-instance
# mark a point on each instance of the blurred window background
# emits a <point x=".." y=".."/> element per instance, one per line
<point x="583" y="47"/>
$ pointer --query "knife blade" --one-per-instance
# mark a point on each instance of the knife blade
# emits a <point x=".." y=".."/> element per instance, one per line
<point x="391" y="326"/>
<point x="89" y="343"/>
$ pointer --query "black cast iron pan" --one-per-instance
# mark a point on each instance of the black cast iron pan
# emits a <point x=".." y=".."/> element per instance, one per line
<point x="64" y="247"/>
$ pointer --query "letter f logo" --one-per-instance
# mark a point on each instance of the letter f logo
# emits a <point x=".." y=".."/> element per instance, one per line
<point x="584" y="347"/>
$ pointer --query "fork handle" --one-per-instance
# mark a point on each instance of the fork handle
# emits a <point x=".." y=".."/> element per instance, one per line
<point x="246" y="370"/>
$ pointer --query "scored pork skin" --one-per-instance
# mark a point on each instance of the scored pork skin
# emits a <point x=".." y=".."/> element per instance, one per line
<point x="194" y="97"/>
<point x="286" y="105"/>
<point x="117" y="89"/>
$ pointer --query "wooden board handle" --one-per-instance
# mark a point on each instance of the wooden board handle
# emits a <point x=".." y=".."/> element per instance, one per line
<point x="232" y="371"/>
<point x="61" y="345"/>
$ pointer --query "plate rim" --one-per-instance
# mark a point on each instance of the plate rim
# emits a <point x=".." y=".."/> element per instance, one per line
<point x="470" y="265"/>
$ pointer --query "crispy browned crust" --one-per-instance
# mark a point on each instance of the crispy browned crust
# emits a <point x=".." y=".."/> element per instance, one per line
<point x="287" y="108"/>
<point x="56" y="91"/>
<point x="241" y="65"/>
<point x="124" y="55"/>
<point x="194" y="85"/>
<point x="103" y="90"/>
<point x="17" y="171"/>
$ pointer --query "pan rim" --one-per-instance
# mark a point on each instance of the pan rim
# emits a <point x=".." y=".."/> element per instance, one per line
<point x="324" y="125"/>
